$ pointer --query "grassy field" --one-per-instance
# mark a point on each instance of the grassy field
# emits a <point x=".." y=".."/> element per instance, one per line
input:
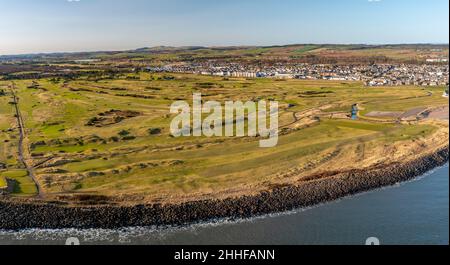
<point x="138" y="158"/>
<point x="3" y="182"/>
<point x="24" y="186"/>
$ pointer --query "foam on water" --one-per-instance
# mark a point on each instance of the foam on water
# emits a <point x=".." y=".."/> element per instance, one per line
<point x="157" y="233"/>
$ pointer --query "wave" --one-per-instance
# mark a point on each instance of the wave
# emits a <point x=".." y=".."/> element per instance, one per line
<point x="129" y="235"/>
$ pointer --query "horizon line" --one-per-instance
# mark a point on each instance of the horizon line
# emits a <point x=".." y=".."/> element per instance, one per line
<point x="211" y="47"/>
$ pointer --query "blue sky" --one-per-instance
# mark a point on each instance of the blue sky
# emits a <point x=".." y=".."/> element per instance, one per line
<point x="28" y="26"/>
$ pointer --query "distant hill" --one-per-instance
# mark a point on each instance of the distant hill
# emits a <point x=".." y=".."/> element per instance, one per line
<point x="326" y="53"/>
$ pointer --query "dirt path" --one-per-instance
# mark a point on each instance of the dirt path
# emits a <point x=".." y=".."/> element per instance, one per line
<point x="301" y="115"/>
<point x="22" y="147"/>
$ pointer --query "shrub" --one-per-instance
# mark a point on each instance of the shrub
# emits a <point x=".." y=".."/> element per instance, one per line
<point x="124" y="133"/>
<point x="154" y="131"/>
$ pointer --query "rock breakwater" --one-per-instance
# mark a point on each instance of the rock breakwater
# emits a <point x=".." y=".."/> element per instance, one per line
<point x="323" y="188"/>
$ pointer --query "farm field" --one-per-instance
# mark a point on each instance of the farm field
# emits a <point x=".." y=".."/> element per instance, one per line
<point x="111" y="137"/>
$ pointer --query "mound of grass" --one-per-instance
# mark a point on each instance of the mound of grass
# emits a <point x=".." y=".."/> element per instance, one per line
<point x="3" y="183"/>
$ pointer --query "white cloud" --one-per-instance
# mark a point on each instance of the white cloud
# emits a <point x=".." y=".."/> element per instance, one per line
<point x="370" y="1"/>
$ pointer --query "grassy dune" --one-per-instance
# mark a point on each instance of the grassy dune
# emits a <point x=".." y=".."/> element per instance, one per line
<point x="127" y="159"/>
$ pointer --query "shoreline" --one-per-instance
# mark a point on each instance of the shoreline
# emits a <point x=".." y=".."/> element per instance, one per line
<point x="15" y="215"/>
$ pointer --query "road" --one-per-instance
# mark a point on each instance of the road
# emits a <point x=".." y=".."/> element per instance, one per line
<point x="22" y="148"/>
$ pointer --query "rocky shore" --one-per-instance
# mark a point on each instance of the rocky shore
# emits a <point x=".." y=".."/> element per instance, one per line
<point x="327" y="187"/>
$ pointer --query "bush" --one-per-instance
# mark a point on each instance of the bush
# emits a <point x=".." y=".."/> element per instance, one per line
<point x="154" y="131"/>
<point x="114" y="139"/>
<point x="124" y="133"/>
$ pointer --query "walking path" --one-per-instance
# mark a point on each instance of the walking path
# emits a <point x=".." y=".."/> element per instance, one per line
<point x="22" y="148"/>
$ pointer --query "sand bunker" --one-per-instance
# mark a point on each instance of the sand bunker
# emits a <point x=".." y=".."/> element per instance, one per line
<point x="439" y="114"/>
<point x="384" y="114"/>
<point x="412" y="113"/>
<point x="112" y="117"/>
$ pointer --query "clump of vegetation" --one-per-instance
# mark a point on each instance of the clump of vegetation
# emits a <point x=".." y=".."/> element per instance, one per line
<point x="206" y="85"/>
<point x="312" y="92"/>
<point x="93" y="121"/>
<point x="36" y="144"/>
<point x="55" y="80"/>
<point x="154" y="131"/>
<point x="124" y="133"/>
<point x="125" y="136"/>
<point x="153" y="88"/>
<point x="168" y="77"/>
<point x="111" y="117"/>
<point x="34" y="85"/>
<point x="114" y="139"/>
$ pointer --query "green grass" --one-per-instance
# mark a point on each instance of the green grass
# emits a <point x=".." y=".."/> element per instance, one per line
<point x="160" y="165"/>
<point x="360" y="125"/>
<point x="409" y="132"/>
<point x="3" y="183"/>
<point x="24" y="185"/>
